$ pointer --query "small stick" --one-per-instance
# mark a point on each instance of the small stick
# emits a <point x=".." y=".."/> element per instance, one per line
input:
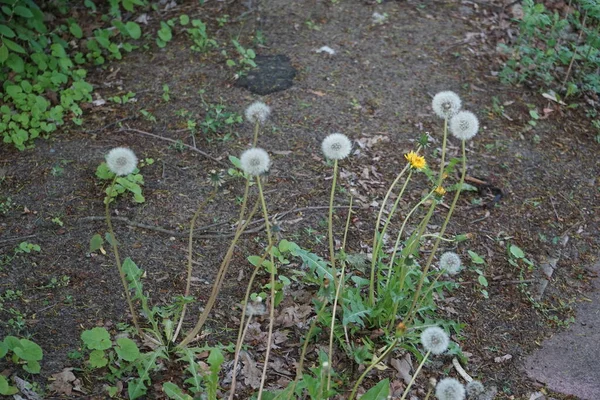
<point x="128" y="129"/>
<point x="461" y="370"/>
<point x="16" y="238"/>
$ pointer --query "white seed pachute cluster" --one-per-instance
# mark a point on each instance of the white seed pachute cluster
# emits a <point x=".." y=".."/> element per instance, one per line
<point x="121" y="161"/>
<point x="462" y="124"/>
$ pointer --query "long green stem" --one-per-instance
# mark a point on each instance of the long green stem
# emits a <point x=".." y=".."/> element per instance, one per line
<point x="376" y="235"/>
<point x="370" y="367"/>
<point x="411" y="312"/>
<point x="118" y="258"/>
<point x="414" y="377"/>
<point x="190" y="256"/>
<point x="330" y="223"/>
<point x="272" y="280"/>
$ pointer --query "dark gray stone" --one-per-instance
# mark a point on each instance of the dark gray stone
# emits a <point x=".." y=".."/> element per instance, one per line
<point x="272" y="74"/>
<point x="568" y="362"/>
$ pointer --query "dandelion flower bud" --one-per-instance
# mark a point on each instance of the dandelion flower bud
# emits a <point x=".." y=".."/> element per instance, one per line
<point x="464" y="125"/>
<point x="121" y="161"/>
<point x="435" y="340"/>
<point x="336" y="146"/>
<point x="449" y="389"/>
<point x="416" y="161"/>
<point x="450" y="262"/>
<point x="258" y="112"/>
<point x="475" y="389"/>
<point x="255" y="161"/>
<point x="446" y="104"/>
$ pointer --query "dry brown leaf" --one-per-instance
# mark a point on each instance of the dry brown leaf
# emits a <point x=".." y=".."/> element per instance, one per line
<point x="63" y="382"/>
<point x="250" y="371"/>
<point x="502" y="359"/>
<point x="403" y="366"/>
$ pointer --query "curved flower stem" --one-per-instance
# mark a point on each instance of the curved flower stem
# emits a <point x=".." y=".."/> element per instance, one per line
<point x="189" y="266"/>
<point x="243" y="328"/>
<point x="414" y="377"/>
<point x="272" y="280"/>
<point x="347" y="224"/>
<point x="118" y="258"/>
<point x="411" y="312"/>
<point x="222" y="269"/>
<point x="376" y="232"/>
<point x="330" y="223"/>
<point x="370" y="367"/>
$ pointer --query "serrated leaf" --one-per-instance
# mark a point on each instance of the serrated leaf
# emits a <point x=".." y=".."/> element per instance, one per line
<point x="127" y="349"/>
<point x="381" y="391"/>
<point x="96" y="243"/>
<point x="516" y="251"/>
<point x="175" y="392"/>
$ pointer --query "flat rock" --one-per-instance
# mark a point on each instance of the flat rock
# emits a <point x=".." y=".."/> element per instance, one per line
<point x="272" y="74"/>
<point x="568" y="362"/>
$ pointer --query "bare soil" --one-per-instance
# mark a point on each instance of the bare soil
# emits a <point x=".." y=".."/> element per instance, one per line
<point x="376" y="89"/>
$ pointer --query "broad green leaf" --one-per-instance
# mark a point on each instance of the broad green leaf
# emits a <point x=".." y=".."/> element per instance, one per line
<point x="215" y="359"/>
<point x="127" y="349"/>
<point x="97" y="359"/>
<point x="476" y="258"/>
<point x="110" y="239"/>
<point x="96" y="339"/>
<point x="11" y="342"/>
<point x="482" y="280"/>
<point x="3" y="54"/>
<point x="6" y="31"/>
<point x="381" y="391"/>
<point x="3" y="349"/>
<point x="15" y="63"/>
<point x="516" y="251"/>
<point x="5" y="388"/>
<point x="96" y="243"/>
<point x="28" y="350"/>
<point x="33" y="367"/>
<point x="13" y="46"/>
<point x="23" y="12"/>
<point x="75" y="30"/>
<point x="134" y="30"/>
<point x="184" y="19"/>
<point x="175" y="392"/>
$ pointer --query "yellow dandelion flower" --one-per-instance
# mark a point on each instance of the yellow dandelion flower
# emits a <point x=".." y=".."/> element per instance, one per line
<point x="416" y="161"/>
<point x="440" y="191"/>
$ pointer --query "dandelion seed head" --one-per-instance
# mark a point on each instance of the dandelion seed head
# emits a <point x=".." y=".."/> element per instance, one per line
<point x="449" y="389"/>
<point x="446" y="104"/>
<point x="378" y="18"/>
<point x="435" y="340"/>
<point x="464" y="125"/>
<point x="336" y="146"/>
<point x="450" y="262"/>
<point x="121" y="161"/>
<point x="255" y="308"/>
<point x="255" y="161"/>
<point x="258" y="112"/>
<point x="475" y="389"/>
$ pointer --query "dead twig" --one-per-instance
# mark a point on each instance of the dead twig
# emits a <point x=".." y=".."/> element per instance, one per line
<point x="209" y="234"/>
<point x="16" y="238"/>
<point x="195" y="149"/>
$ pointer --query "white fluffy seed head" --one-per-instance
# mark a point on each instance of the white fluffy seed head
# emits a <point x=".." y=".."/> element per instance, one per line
<point x="464" y="125"/>
<point x="336" y="146"/>
<point x="435" y="340"/>
<point x="450" y="262"/>
<point x="255" y="308"/>
<point x="121" y="161"/>
<point x="258" y="112"/>
<point x="475" y="389"/>
<point x="255" y="161"/>
<point x="446" y="104"/>
<point x="449" y="389"/>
